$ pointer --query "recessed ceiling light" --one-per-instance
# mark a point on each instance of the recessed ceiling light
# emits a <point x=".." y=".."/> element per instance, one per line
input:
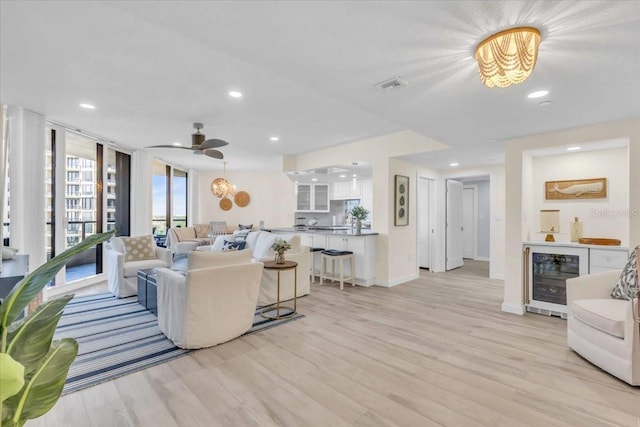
<point x="88" y="106"/>
<point x="177" y="144"/>
<point x="454" y="164"/>
<point x="574" y="148"/>
<point x="314" y="179"/>
<point x="343" y="176"/>
<point x="538" y="94"/>
<point x="274" y="138"/>
<point x="544" y="103"/>
<point x="235" y="94"/>
<point x="354" y="175"/>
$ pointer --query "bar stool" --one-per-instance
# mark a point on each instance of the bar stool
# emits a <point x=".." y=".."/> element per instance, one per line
<point x="340" y="256"/>
<point x="312" y="272"/>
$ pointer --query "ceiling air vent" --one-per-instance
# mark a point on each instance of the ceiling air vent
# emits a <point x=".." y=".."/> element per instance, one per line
<point x="392" y="84"/>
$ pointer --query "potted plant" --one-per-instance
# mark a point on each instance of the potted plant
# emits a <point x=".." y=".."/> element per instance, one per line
<point x="360" y="214"/>
<point x="280" y="246"/>
<point x="33" y="367"/>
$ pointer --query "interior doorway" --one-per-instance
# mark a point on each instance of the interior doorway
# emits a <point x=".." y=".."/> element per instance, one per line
<point x="454" y="215"/>
<point x="469" y="221"/>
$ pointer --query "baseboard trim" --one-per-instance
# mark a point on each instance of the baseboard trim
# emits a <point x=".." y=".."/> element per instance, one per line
<point x="513" y="309"/>
<point x="399" y="281"/>
<point x="481" y="258"/>
<point x="497" y="277"/>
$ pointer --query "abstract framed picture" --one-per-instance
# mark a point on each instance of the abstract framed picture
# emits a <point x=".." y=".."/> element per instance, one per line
<point x="401" y="205"/>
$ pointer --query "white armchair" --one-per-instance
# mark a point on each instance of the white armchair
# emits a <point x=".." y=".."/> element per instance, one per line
<point x="122" y="276"/>
<point x="601" y="329"/>
<point x="209" y="305"/>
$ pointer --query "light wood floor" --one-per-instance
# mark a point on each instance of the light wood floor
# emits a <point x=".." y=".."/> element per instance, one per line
<point x="436" y="351"/>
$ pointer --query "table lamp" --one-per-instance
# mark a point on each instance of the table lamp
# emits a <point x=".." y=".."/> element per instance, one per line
<point x="549" y="223"/>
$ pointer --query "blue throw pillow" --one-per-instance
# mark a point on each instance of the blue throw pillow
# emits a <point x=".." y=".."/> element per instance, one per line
<point x="245" y="227"/>
<point x="241" y="235"/>
<point x="233" y="246"/>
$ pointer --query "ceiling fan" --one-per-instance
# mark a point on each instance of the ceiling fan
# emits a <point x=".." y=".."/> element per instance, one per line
<point x="199" y="145"/>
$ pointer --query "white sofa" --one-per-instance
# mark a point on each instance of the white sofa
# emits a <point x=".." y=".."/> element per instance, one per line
<point x="122" y="277"/>
<point x="182" y="240"/>
<point x="213" y="303"/>
<point x="602" y="329"/>
<point x="259" y="242"/>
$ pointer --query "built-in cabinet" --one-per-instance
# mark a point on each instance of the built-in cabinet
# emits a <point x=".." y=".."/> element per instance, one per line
<point x="366" y="195"/>
<point x="363" y="248"/>
<point x="346" y="189"/>
<point x="312" y="198"/>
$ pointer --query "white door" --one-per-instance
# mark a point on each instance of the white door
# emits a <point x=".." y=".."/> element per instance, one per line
<point x="469" y="216"/>
<point x="454" y="224"/>
<point x="424" y="232"/>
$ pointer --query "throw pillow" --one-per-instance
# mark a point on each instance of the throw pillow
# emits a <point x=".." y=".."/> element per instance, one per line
<point x="202" y="230"/>
<point x="8" y="253"/>
<point x="234" y="246"/>
<point x="627" y="285"/>
<point x="245" y="227"/>
<point x="241" y="235"/>
<point x="139" y="248"/>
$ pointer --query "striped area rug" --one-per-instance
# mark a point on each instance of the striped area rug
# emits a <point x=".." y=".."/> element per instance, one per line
<point x="117" y="337"/>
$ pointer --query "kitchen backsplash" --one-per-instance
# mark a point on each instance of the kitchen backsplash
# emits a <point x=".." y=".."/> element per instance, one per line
<point x="339" y="209"/>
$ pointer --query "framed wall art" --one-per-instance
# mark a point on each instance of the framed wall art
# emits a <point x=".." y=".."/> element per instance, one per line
<point x="401" y="200"/>
<point x="595" y="188"/>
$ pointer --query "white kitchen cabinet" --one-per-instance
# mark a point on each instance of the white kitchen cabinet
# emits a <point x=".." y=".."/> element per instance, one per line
<point x="366" y="196"/>
<point x="312" y="197"/>
<point x="343" y="190"/>
<point x="607" y="259"/>
<point x="364" y="254"/>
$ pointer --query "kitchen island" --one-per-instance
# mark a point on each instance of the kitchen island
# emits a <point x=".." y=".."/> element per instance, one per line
<point x="363" y="246"/>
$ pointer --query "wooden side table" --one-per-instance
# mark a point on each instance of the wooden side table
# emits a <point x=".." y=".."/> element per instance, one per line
<point x="288" y="265"/>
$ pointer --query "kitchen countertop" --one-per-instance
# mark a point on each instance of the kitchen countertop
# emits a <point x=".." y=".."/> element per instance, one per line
<point x="574" y="245"/>
<point x="341" y="231"/>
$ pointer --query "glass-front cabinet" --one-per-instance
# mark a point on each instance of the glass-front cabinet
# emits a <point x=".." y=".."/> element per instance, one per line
<point x="312" y="197"/>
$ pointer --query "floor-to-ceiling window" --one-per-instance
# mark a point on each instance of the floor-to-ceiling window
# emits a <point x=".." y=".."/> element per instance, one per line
<point x="87" y="192"/>
<point x="169" y="198"/>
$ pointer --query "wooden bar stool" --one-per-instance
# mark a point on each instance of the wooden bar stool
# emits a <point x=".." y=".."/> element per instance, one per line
<point x="340" y="256"/>
<point x="312" y="272"/>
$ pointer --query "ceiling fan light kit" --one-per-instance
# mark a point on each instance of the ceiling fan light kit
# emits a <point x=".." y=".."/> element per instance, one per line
<point x="508" y="57"/>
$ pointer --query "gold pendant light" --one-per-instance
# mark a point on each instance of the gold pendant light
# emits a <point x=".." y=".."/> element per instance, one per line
<point x="222" y="188"/>
<point x="508" y="57"/>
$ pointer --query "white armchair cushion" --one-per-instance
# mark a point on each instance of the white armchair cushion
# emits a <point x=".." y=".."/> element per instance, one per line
<point x="139" y="248"/>
<point x="130" y="269"/>
<point x="204" y="259"/>
<point x="263" y="249"/>
<point x="606" y="315"/>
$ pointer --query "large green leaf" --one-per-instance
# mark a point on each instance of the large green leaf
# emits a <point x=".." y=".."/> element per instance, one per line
<point x="27" y="289"/>
<point x="30" y="338"/>
<point x="43" y="386"/>
<point x="11" y="376"/>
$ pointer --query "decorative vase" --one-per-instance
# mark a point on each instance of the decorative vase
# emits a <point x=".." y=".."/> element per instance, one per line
<point x="358" y="226"/>
<point x="280" y="257"/>
<point x="576" y="230"/>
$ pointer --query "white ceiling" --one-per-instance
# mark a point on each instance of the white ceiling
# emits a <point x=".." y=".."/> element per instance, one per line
<point x="308" y="70"/>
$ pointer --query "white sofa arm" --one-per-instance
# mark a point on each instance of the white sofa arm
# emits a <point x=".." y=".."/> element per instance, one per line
<point x="592" y="286"/>
<point x="171" y="303"/>
<point x="115" y="270"/>
<point x="164" y="254"/>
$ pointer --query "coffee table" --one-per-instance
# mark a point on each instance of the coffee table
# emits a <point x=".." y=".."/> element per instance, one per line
<point x="286" y="266"/>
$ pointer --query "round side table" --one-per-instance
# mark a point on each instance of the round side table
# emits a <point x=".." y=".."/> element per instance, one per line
<point x="286" y="266"/>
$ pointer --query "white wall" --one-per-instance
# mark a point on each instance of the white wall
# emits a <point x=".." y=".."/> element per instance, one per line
<point x="517" y="221"/>
<point x="611" y="164"/>
<point x="272" y="196"/>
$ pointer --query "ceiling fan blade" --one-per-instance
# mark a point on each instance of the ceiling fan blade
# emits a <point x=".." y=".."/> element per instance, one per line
<point x="214" y="143"/>
<point x="213" y="153"/>
<point x="168" y="146"/>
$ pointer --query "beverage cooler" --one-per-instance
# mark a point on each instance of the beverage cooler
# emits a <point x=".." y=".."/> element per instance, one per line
<point x="547" y="269"/>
